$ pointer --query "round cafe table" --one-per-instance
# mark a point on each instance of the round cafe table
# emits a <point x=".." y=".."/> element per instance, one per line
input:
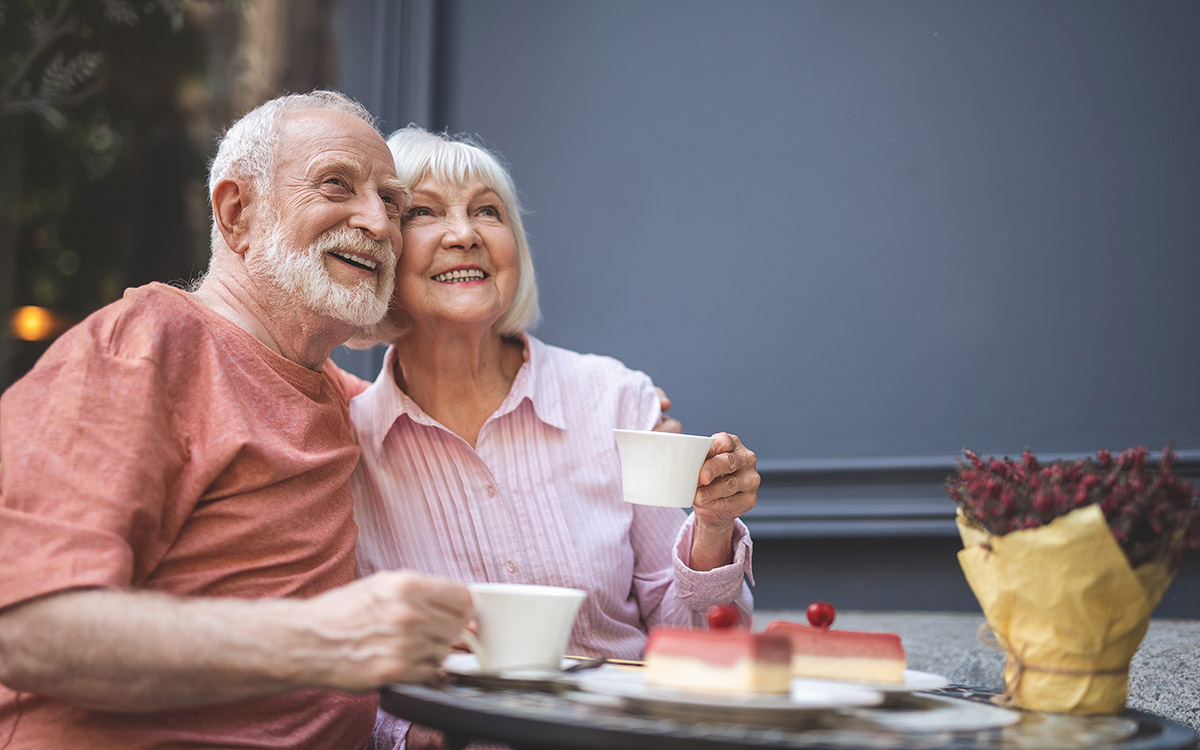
<point x="539" y="719"/>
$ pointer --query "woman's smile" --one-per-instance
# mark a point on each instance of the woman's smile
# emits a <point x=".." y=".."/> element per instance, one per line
<point x="461" y="276"/>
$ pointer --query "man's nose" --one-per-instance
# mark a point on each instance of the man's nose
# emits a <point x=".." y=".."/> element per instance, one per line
<point x="371" y="216"/>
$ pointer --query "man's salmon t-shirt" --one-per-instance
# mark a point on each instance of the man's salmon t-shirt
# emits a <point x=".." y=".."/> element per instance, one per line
<point x="158" y="446"/>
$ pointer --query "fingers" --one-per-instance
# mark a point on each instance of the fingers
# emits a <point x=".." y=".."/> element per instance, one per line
<point x="728" y="487"/>
<point x="727" y="456"/>
<point x="440" y="595"/>
<point x="728" y="482"/>
<point x="723" y="442"/>
<point x="390" y="627"/>
<point x="663" y="399"/>
<point x="427" y="662"/>
<point x="668" y="424"/>
<point x="428" y="607"/>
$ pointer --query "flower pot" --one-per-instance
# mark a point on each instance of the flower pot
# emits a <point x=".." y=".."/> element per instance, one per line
<point x="1065" y="605"/>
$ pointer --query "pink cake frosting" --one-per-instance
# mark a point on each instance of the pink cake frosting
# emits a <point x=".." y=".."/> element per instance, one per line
<point x="843" y="654"/>
<point x="729" y="659"/>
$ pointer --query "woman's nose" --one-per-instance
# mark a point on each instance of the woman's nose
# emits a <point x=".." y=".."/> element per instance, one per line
<point x="460" y="232"/>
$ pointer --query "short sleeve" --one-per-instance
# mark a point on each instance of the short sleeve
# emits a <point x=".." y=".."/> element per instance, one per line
<point x="88" y="453"/>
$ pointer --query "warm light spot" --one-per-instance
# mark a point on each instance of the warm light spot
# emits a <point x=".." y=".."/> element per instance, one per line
<point x="33" y="323"/>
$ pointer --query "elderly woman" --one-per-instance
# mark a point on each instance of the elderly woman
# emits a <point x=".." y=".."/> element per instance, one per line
<point x="488" y="455"/>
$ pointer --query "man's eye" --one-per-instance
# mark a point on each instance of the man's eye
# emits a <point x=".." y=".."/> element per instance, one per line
<point x="335" y="182"/>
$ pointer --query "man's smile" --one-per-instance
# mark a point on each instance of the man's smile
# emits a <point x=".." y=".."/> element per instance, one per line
<point x="358" y="261"/>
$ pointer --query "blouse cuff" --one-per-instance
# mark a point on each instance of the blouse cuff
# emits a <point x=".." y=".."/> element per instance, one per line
<point x="391" y="732"/>
<point x="701" y="589"/>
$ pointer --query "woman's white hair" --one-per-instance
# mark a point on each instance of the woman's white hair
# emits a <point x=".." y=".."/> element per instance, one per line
<point x="455" y="160"/>
<point x="250" y="147"/>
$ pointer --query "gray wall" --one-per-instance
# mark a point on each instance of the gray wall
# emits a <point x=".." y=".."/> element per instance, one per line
<point x="862" y="235"/>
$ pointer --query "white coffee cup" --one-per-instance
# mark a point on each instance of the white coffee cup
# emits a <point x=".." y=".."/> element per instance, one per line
<point x="660" y="468"/>
<point x="521" y="626"/>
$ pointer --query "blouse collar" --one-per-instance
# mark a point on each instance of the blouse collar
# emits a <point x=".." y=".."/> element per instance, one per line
<point x="382" y="404"/>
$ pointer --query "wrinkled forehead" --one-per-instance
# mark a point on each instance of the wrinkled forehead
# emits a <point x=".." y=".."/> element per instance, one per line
<point x="311" y="134"/>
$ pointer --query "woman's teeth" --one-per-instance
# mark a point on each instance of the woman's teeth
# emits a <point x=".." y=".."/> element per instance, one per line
<point x="356" y="260"/>
<point x="470" y="274"/>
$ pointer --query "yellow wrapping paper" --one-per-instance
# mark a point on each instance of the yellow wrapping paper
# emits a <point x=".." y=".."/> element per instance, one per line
<point x="1067" y="608"/>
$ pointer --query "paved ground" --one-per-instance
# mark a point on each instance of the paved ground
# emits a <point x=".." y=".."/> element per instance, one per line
<point x="1164" y="678"/>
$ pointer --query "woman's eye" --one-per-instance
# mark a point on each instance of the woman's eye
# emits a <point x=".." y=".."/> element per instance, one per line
<point x="490" y="211"/>
<point x="419" y="211"/>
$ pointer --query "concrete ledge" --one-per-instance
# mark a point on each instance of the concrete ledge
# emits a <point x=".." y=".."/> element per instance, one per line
<point x="1164" y="678"/>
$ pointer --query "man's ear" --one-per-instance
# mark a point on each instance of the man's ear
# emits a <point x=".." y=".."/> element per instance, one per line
<point x="232" y="209"/>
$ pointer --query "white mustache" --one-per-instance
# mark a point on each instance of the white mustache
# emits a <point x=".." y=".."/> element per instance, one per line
<point x="345" y="238"/>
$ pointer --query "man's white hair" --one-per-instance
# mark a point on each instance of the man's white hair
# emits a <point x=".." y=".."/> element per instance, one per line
<point x="250" y="147"/>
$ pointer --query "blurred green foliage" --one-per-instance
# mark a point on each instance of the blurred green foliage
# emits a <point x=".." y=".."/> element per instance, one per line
<point x="95" y="158"/>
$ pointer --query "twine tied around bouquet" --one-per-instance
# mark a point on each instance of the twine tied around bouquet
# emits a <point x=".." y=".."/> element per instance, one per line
<point x="989" y="636"/>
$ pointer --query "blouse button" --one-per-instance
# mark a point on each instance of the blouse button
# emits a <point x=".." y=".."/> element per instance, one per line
<point x="510" y="566"/>
<point x="491" y="490"/>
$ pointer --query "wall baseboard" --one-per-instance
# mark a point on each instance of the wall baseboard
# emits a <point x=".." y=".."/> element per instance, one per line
<point x="900" y="496"/>
<point x="879" y="534"/>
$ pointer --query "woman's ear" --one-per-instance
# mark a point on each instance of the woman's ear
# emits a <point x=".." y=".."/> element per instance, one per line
<point x="231" y="202"/>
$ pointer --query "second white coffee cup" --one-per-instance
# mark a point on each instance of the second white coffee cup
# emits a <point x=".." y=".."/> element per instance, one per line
<point x="521" y="626"/>
<point x="660" y="468"/>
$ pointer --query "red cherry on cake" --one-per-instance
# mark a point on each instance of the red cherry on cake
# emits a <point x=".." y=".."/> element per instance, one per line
<point x="723" y="616"/>
<point x="820" y="614"/>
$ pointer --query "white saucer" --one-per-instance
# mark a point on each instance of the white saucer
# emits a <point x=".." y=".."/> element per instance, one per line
<point x="913" y="681"/>
<point x="468" y="664"/>
<point x="805" y="696"/>
<point x="941" y="714"/>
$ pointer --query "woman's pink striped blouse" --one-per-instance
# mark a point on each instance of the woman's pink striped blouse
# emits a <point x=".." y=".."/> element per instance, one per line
<point x="537" y="501"/>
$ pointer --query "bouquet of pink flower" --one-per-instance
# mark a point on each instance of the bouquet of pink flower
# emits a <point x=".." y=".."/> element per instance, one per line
<point x="1151" y="511"/>
<point x="1068" y="559"/>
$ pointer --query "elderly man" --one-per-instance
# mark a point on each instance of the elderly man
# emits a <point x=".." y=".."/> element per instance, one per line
<point x="176" y="539"/>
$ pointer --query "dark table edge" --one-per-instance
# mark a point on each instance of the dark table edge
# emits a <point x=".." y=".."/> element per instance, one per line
<point x="481" y="723"/>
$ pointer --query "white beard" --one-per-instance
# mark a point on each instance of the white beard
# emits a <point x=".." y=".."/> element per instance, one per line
<point x="302" y="273"/>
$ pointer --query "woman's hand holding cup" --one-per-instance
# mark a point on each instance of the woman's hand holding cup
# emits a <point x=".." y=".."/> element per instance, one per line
<point x="727" y="488"/>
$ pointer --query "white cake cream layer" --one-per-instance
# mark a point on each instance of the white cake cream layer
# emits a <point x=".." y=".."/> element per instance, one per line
<point x="743" y="676"/>
<point x="856" y="670"/>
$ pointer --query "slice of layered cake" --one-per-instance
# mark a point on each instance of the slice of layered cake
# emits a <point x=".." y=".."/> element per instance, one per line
<point x="729" y="659"/>
<point x="842" y="654"/>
